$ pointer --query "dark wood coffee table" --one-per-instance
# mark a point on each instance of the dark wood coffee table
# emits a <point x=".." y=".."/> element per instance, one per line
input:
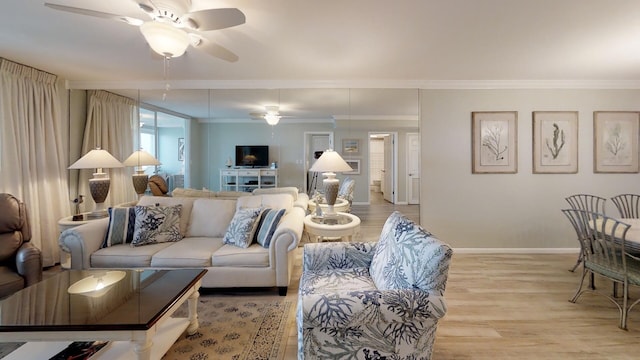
<point x="130" y="308"/>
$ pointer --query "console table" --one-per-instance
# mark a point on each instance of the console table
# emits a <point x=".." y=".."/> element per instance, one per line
<point x="247" y="179"/>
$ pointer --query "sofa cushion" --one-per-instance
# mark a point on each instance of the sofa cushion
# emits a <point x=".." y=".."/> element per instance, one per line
<point x="185" y="214"/>
<point x="156" y="224"/>
<point x="409" y="257"/>
<point x="182" y="192"/>
<point x="269" y="221"/>
<point x="243" y="227"/>
<point x="190" y="252"/>
<point x="211" y="217"/>
<point x="278" y="190"/>
<point x="122" y="222"/>
<point x="273" y="201"/>
<point x="126" y="256"/>
<point x="229" y="255"/>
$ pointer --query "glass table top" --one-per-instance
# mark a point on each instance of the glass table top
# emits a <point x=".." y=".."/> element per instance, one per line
<point x="109" y="299"/>
<point x="338" y="219"/>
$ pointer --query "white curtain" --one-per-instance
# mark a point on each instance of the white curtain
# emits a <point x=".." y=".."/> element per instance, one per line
<point x="32" y="151"/>
<point x="111" y="120"/>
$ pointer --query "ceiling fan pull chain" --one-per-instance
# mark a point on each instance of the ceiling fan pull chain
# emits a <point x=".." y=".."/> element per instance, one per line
<point x="167" y="87"/>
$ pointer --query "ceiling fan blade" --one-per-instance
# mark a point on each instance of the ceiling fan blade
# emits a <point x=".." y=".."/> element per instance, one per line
<point x="215" y="19"/>
<point x="99" y="14"/>
<point x="216" y="50"/>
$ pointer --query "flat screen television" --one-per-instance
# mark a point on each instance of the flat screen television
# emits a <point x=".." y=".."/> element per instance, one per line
<point x="252" y="155"/>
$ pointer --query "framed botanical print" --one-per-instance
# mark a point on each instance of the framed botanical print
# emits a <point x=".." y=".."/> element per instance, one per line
<point x="494" y="142"/>
<point x="615" y="143"/>
<point x="555" y="142"/>
<point x="180" y="149"/>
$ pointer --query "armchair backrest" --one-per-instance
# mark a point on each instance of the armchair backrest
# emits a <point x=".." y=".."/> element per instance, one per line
<point x="14" y="225"/>
<point x="409" y="257"/>
<point x="346" y="189"/>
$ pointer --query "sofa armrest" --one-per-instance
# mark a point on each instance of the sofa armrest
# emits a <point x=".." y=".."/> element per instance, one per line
<point x="290" y="227"/>
<point x="343" y="309"/>
<point x="302" y="201"/>
<point x="339" y="255"/>
<point x="82" y="241"/>
<point x="29" y="263"/>
<point x="285" y="239"/>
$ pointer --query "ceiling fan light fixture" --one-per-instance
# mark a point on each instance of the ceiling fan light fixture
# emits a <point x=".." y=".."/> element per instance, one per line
<point x="272" y="119"/>
<point x="165" y="39"/>
<point x="272" y="116"/>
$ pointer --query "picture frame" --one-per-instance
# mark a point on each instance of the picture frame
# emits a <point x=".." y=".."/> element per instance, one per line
<point x="350" y="147"/>
<point x="180" y="149"/>
<point x="355" y="165"/>
<point x="494" y="142"/>
<point x="555" y="142"/>
<point x="615" y="142"/>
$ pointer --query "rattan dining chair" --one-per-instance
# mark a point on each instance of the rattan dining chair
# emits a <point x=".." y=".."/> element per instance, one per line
<point x="628" y="205"/>
<point x="606" y="256"/>
<point x="589" y="203"/>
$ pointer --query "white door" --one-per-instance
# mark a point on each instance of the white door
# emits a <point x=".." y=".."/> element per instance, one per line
<point x="413" y="168"/>
<point x="387" y="172"/>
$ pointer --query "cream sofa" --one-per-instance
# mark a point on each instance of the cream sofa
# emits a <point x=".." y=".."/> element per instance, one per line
<point x="203" y="222"/>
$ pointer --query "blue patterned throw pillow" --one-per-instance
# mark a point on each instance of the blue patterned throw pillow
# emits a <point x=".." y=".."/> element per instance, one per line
<point x="242" y="227"/>
<point x="157" y="224"/>
<point x="268" y="224"/>
<point x="409" y="257"/>
<point x="122" y="221"/>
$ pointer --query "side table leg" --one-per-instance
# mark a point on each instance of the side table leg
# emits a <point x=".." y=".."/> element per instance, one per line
<point x="142" y="348"/>
<point x="193" y="311"/>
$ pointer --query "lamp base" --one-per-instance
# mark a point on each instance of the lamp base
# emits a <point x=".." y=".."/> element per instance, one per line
<point x="331" y="187"/>
<point x="140" y="183"/>
<point x="99" y="188"/>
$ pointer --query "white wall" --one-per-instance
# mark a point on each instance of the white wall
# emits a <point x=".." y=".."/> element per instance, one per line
<point x="509" y="210"/>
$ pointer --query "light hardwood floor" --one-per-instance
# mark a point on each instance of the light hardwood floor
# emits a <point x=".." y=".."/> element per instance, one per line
<point x="504" y="306"/>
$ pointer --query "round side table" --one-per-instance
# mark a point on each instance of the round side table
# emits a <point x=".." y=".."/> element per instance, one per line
<point x="341" y="205"/>
<point x="343" y="225"/>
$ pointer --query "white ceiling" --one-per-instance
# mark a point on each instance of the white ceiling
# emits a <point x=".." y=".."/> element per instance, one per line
<point x="340" y="44"/>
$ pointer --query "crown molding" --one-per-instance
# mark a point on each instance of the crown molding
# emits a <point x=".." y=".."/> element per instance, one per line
<point x="357" y="84"/>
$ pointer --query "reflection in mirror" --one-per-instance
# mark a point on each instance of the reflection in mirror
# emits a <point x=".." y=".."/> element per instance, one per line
<point x="219" y="119"/>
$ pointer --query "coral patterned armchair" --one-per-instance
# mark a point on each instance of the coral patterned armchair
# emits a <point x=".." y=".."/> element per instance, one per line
<point x="373" y="300"/>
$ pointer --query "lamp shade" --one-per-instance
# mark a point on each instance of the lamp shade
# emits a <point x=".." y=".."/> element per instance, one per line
<point x="96" y="159"/>
<point x="330" y="161"/>
<point x="141" y="158"/>
<point x="165" y="39"/>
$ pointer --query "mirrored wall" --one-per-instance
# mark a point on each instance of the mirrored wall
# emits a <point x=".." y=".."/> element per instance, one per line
<point x="221" y="119"/>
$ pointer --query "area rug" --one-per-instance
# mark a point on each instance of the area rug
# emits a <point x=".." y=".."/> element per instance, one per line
<point x="231" y="328"/>
<point x="236" y="328"/>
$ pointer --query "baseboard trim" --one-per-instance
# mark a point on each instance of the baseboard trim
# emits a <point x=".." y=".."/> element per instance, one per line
<point x="516" y="250"/>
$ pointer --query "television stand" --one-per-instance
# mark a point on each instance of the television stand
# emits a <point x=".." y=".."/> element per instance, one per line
<point x="248" y="179"/>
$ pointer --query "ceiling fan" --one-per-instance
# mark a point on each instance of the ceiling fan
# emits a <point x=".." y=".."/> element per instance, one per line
<point x="173" y="27"/>
<point x="271" y="115"/>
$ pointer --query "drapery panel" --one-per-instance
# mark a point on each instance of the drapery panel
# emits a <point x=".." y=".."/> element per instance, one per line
<point x="32" y="151"/>
<point x="110" y="125"/>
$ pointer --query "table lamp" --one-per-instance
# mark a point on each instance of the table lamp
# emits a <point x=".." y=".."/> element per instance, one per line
<point x="328" y="164"/>
<point x="139" y="159"/>
<point x="99" y="184"/>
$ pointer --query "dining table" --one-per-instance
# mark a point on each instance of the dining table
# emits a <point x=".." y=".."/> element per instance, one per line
<point x="632" y="240"/>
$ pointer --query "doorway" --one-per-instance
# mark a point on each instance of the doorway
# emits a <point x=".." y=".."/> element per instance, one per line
<point x="382" y="177"/>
